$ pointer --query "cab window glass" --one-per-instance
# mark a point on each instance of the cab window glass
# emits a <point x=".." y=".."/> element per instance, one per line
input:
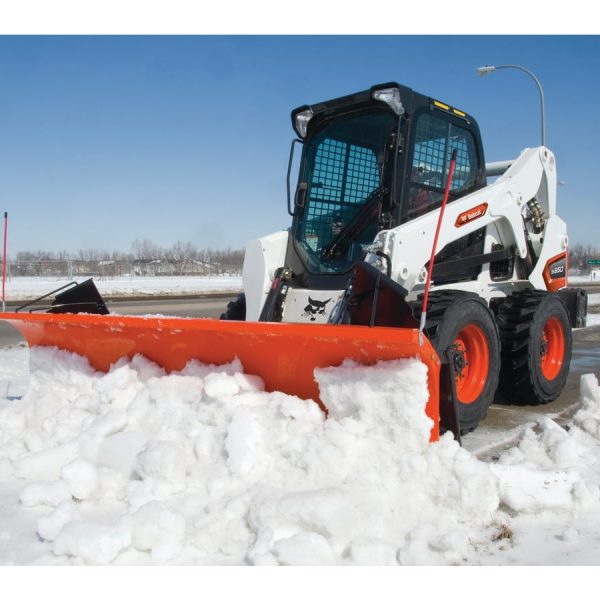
<point x="435" y="139"/>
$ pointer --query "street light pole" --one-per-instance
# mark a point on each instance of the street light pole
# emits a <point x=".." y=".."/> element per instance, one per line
<point x="481" y="71"/>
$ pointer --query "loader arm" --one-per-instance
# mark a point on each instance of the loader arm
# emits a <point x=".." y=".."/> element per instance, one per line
<point x="502" y="203"/>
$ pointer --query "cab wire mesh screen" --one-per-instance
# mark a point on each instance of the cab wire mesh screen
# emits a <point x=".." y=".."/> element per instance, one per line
<point x="344" y="176"/>
<point x="434" y="142"/>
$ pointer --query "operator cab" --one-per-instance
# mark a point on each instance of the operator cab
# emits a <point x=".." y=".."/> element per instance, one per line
<point x="371" y="161"/>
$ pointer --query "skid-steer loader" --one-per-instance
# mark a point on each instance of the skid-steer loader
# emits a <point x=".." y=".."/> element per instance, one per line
<point x="403" y="243"/>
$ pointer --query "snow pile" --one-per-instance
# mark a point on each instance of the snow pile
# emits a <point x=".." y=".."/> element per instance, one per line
<point x="14" y="376"/>
<point x="549" y="485"/>
<point x="544" y="471"/>
<point x="550" y="467"/>
<point x="203" y="466"/>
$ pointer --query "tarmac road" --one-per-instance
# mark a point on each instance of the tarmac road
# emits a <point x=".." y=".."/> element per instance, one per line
<point x="178" y="307"/>
<point x="181" y="307"/>
<point x="590" y="288"/>
<point x="502" y="423"/>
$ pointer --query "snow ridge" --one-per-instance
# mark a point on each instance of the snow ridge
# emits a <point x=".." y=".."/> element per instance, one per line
<point x="203" y="466"/>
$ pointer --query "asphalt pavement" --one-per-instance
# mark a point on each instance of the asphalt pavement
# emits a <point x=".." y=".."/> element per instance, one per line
<point x="210" y="307"/>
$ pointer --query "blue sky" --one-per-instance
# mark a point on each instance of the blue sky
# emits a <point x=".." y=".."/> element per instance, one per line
<point x="104" y="140"/>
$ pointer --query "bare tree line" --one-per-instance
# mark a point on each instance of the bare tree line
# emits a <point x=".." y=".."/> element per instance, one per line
<point x="579" y="254"/>
<point x="140" y="250"/>
<point x="145" y="258"/>
<point x="186" y="252"/>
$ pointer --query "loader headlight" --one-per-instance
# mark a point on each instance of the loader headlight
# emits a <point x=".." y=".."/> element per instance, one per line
<point x="391" y="96"/>
<point x="301" y="120"/>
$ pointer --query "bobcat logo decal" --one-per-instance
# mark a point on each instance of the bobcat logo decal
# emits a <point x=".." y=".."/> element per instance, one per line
<point x="314" y="308"/>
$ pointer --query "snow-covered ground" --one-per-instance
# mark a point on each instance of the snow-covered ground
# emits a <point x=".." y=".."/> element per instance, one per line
<point x="203" y="467"/>
<point x="28" y="288"/>
<point x="593" y="319"/>
<point x="593" y="277"/>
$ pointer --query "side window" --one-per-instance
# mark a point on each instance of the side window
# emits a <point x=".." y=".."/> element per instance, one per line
<point x="435" y="139"/>
<point x="467" y="165"/>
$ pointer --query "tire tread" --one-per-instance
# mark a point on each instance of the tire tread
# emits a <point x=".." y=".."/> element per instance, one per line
<point x="518" y="377"/>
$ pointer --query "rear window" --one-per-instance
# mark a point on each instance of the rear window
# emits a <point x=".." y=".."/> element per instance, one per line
<point x="435" y="140"/>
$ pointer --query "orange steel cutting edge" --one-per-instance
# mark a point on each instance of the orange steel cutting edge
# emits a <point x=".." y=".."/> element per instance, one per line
<point x="284" y="355"/>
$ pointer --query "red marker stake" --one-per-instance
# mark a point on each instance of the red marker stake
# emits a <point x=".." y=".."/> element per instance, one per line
<point x="4" y="259"/>
<point x="433" y="248"/>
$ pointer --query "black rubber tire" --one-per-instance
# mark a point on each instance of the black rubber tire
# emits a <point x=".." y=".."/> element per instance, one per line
<point x="450" y="312"/>
<point x="521" y="320"/>
<point x="236" y="309"/>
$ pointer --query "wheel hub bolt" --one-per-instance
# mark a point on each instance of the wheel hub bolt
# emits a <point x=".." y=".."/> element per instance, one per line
<point x="459" y="362"/>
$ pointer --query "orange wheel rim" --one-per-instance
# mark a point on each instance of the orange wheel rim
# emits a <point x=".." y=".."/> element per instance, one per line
<point x="552" y="348"/>
<point x="471" y="364"/>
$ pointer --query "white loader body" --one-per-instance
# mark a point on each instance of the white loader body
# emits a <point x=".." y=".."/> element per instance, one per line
<point x="501" y="207"/>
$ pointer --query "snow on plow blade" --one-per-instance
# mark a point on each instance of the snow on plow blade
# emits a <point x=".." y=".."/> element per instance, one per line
<point x="284" y="355"/>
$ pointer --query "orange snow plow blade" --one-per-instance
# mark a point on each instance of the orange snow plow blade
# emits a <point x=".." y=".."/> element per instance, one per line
<point x="284" y="355"/>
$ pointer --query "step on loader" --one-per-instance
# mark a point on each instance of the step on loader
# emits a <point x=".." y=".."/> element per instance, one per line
<point x="403" y="243"/>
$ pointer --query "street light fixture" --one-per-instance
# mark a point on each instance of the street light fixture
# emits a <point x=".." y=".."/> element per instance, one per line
<point x="482" y="71"/>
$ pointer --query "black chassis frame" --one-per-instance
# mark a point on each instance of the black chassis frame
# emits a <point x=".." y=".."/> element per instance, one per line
<point x="414" y="104"/>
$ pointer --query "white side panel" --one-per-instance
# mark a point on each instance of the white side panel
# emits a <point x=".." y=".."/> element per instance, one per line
<point x="531" y="175"/>
<point x="263" y="257"/>
<point x="309" y="306"/>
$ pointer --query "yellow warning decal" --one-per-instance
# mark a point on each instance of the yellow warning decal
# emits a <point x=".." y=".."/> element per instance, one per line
<point x="450" y="109"/>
